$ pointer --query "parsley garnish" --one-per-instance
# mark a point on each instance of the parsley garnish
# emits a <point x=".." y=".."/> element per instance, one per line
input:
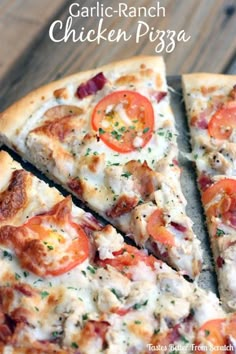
<point x="44" y="294"/>
<point x="17" y="276"/>
<point x="101" y="131"/>
<point x="207" y="332"/>
<point x="220" y="232"/>
<point x="137" y="306"/>
<point x="145" y="130"/>
<point x="91" y="269"/>
<point x="74" y="345"/>
<point x="116" y="293"/>
<point x="85" y="317"/>
<point x="126" y="174"/>
<point x="7" y="254"/>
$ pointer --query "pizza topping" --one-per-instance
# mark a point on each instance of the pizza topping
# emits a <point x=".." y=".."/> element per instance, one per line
<point x="90" y="87"/>
<point x="95" y="330"/>
<point x="159" y="95"/>
<point x="178" y="226"/>
<point x="232" y="93"/>
<point x="220" y="262"/>
<point x="225" y="205"/>
<point x="127" y="257"/>
<point x="42" y="245"/>
<point x="14" y="197"/>
<point x="212" y="333"/>
<point x="61" y="93"/>
<point x="204" y="181"/>
<point x="223" y="122"/>
<point x="146" y="180"/>
<point x="123" y="205"/>
<point x="157" y="230"/>
<point x="76" y="186"/>
<point x="124" y="121"/>
<point x="62" y="111"/>
<point x="62" y="121"/>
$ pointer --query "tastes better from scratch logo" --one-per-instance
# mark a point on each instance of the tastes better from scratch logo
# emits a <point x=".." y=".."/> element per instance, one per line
<point x="163" y="40"/>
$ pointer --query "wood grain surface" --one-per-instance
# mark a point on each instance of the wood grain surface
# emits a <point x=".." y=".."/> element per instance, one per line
<point x="29" y="58"/>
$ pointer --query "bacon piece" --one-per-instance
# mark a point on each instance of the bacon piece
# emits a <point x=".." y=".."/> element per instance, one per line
<point x="123" y="205"/>
<point x="204" y="182"/>
<point x="20" y="315"/>
<point x="90" y="222"/>
<point x="5" y="334"/>
<point x="25" y="289"/>
<point x="14" y="197"/>
<point x="159" y="95"/>
<point x="76" y="186"/>
<point x="220" y="262"/>
<point x="144" y="176"/>
<point x="91" y="86"/>
<point x="178" y="226"/>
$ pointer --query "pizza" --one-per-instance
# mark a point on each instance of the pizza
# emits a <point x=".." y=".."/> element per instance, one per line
<point x="71" y="285"/>
<point x="108" y="136"/>
<point x="211" y="108"/>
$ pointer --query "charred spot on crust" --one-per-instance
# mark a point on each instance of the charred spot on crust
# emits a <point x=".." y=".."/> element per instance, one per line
<point x="14" y="197"/>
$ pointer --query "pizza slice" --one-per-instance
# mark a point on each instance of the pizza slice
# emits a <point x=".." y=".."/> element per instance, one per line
<point x="108" y="136"/>
<point x="211" y="108"/>
<point x="70" y="285"/>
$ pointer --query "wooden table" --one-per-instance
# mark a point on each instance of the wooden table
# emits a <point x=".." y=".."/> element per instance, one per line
<point x="29" y="58"/>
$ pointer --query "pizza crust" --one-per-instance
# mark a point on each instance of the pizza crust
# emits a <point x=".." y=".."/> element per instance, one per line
<point x="215" y="158"/>
<point x="16" y="115"/>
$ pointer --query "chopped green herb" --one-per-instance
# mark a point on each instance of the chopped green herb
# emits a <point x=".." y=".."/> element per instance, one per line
<point x="36" y="309"/>
<point x="44" y="294"/>
<point x="184" y="339"/>
<point x="88" y="151"/>
<point x="91" y="269"/>
<point x="50" y="247"/>
<point x="17" y="276"/>
<point x="116" y="135"/>
<point x="83" y="272"/>
<point x="116" y="293"/>
<point x="74" y="345"/>
<point x="101" y="131"/>
<point x="207" y="332"/>
<point x="220" y="232"/>
<point x="126" y="174"/>
<point x="156" y="331"/>
<point x="137" y="322"/>
<point x="55" y="334"/>
<point x="26" y="274"/>
<point x="145" y="130"/>
<point x="149" y="150"/>
<point x="8" y="255"/>
<point x="195" y="156"/>
<point x="85" y="317"/>
<point x="161" y="133"/>
<point x="137" y="306"/>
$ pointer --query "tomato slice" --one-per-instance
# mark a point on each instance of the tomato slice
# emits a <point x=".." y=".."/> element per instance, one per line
<point x="226" y="186"/>
<point x="213" y="332"/>
<point x="157" y="230"/>
<point x="127" y="257"/>
<point x="53" y="243"/>
<point x="223" y="122"/>
<point x="124" y="120"/>
<point x="231" y="326"/>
